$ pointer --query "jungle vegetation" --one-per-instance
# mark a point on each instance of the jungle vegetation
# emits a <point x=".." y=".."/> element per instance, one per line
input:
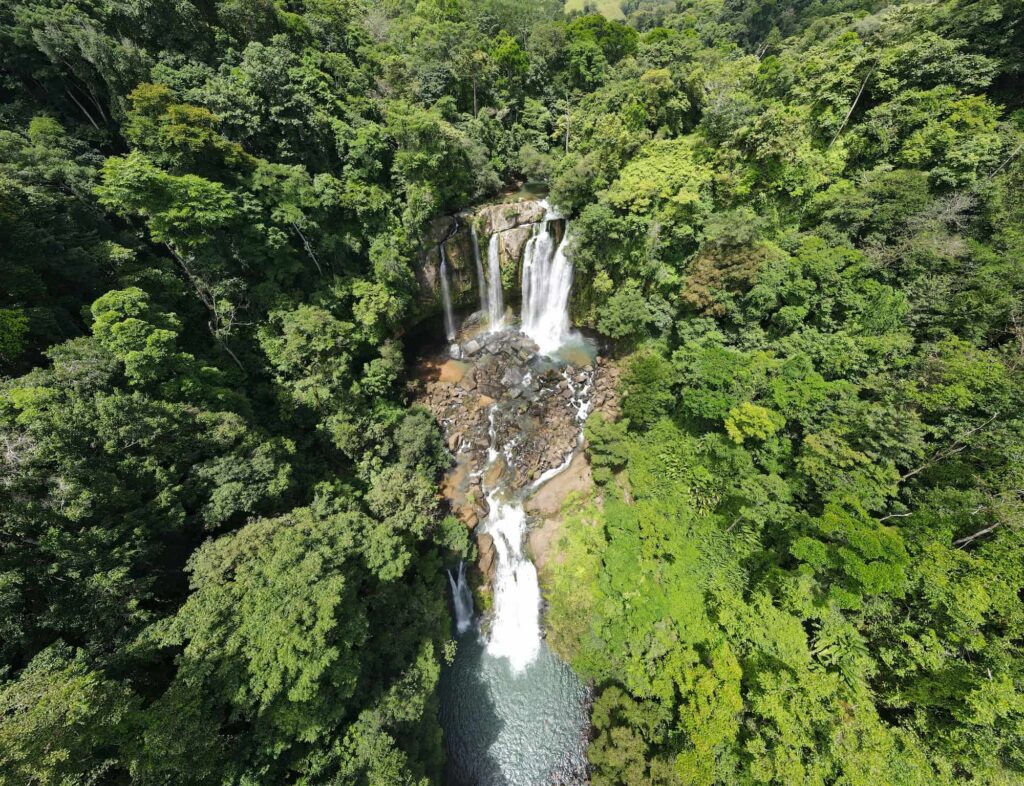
<point x="801" y="226"/>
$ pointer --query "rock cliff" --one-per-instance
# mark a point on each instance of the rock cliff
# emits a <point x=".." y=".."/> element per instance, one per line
<point x="513" y="222"/>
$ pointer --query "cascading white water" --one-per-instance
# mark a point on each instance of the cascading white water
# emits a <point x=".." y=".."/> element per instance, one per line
<point x="462" y="599"/>
<point x="481" y="282"/>
<point x="446" y="296"/>
<point x="495" y="296"/>
<point x="547" y="282"/>
<point x="536" y="262"/>
<point x="515" y="631"/>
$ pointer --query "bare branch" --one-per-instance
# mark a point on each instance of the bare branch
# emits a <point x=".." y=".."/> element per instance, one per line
<point x="964" y="542"/>
<point x="84" y="110"/>
<point x="958" y="446"/>
<point x="853" y="106"/>
<point x="209" y="300"/>
<point x="308" y="247"/>
<point x="896" y="516"/>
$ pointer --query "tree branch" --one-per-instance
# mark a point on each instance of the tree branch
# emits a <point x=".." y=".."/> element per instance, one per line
<point x="958" y="447"/>
<point x="79" y="105"/>
<point x="853" y="106"/>
<point x="308" y="247"/>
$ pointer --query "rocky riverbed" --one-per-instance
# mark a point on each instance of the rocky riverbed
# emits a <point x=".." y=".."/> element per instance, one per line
<point x="496" y="385"/>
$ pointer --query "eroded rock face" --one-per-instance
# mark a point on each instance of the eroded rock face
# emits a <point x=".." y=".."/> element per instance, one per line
<point x="503" y="216"/>
<point x="605" y="396"/>
<point x="513" y="221"/>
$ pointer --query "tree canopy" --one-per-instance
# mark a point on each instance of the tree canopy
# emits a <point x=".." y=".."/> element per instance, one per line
<point x="799" y="227"/>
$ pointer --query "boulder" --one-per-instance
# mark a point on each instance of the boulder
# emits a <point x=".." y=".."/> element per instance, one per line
<point x="486" y="556"/>
<point x="510" y="378"/>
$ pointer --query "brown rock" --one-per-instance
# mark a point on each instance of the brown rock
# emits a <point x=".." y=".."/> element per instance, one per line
<point x="468" y="381"/>
<point x="486" y="556"/>
<point x="468" y="516"/>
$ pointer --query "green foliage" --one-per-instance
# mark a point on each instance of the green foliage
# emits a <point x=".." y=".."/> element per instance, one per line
<point x="750" y="421"/>
<point x="647" y="388"/>
<point x="272" y="625"/>
<point x="801" y="552"/>
<point x="63" y="722"/>
<point x="13" y="329"/>
<point x="220" y="545"/>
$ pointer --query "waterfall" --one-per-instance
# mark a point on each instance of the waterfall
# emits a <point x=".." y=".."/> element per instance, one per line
<point x="547" y="282"/>
<point x="515" y="631"/>
<point x="462" y="599"/>
<point x="496" y="301"/>
<point x="480" y="280"/>
<point x="512" y="712"/>
<point x="446" y="296"/>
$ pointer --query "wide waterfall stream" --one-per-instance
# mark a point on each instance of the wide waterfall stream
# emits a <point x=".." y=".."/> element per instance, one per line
<point x="513" y="713"/>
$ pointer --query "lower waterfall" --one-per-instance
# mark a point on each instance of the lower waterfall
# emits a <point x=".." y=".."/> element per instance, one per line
<point x="462" y="599"/>
<point x="515" y="631"/>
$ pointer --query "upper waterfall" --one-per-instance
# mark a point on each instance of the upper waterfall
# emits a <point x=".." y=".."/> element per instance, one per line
<point x="446" y="296"/>
<point x="481" y="282"/>
<point x="547" y="283"/>
<point x="496" y="300"/>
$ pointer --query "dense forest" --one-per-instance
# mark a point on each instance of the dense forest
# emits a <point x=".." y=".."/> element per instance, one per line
<point x="800" y="227"/>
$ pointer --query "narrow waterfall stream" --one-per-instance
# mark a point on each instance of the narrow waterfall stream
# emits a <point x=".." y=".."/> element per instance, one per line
<point x="481" y="282"/>
<point x="495" y="295"/>
<point x="446" y="296"/>
<point x="513" y="713"/>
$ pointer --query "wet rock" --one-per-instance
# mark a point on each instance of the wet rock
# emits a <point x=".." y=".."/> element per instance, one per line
<point x="510" y="378"/>
<point x="471" y="347"/>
